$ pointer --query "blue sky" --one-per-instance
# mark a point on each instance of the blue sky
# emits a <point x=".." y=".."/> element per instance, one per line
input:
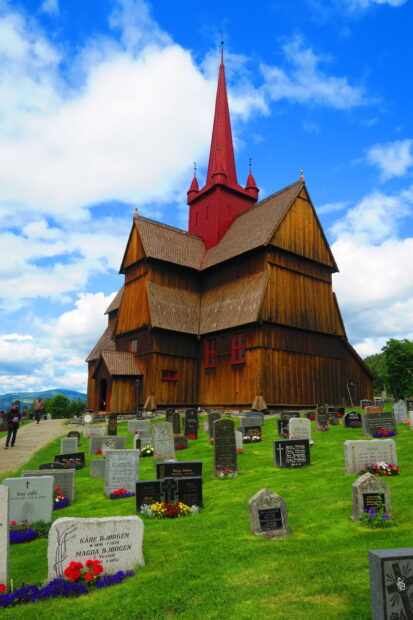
<point x="106" y="104"/>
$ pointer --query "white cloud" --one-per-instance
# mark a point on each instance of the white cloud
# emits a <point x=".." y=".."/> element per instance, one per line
<point x="332" y="207"/>
<point x="19" y="354"/>
<point x="364" y="4"/>
<point x="50" y="6"/>
<point x="307" y="83"/>
<point x="393" y="158"/>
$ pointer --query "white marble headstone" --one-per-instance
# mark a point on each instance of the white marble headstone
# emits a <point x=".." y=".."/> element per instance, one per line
<point x="68" y="445"/>
<point x="299" y="428"/>
<point x="31" y="499"/>
<point x="4" y="534"/>
<point x="163" y="441"/>
<point x="359" y="452"/>
<point x="139" y="425"/>
<point x="121" y="470"/>
<point x="115" y="541"/>
<point x="400" y="411"/>
<point x="64" y="478"/>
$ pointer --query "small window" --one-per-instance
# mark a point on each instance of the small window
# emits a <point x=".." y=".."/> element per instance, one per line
<point x="210" y="353"/>
<point x="169" y="375"/>
<point x="238" y="348"/>
<point x="133" y="345"/>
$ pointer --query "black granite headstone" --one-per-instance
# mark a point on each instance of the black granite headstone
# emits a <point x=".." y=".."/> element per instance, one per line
<point x="214" y="415"/>
<point x="321" y="418"/>
<point x="270" y="519"/>
<point x="391" y="584"/>
<point x="189" y="491"/>
<point x="112" y="424"/>
<point x="75" y="434"/>
<point x="225" y="451"/>
<point x="286" y="415"/>
<point x="179" y="469"/>
<point x="375" y="422"/>
<point x="52" y="466"/>
<point x="148" y="492"/>
<point x="176" y="423"/>
<point x="282" y="427"/>
<point x="169" y="415"/>
<point x="191" y="423"/>
<point x="372" y="500"/>
<point x="77" y="458"/>
<point x="352" y="419"/>
<point x="292" y="453"/>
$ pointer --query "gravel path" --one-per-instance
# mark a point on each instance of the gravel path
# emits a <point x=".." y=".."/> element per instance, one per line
<point x="30" y="438"/>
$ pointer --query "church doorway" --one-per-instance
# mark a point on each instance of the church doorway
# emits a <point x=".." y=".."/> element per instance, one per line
<point x="103" y="388"/>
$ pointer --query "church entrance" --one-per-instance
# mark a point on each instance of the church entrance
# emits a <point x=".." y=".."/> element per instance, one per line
<point x="103" y="389"/>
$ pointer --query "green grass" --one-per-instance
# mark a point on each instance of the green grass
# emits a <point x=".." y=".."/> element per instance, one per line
<point x="211" y="567"/>
<point x="22" y="423"/>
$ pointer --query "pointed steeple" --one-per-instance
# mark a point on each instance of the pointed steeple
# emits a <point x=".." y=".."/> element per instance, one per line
<point x="194" y="189"/>
<point x="251" y="186"/>
<point x="221" y="156"/>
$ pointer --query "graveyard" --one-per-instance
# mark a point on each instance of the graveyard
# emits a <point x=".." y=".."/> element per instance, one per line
<point x="212" y="564"/>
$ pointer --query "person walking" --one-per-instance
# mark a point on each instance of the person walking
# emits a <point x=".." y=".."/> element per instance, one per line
<point x="38" y="407"/>
<point x="13" y="418"/>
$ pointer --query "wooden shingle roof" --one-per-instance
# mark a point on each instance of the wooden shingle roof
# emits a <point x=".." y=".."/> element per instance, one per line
<point x="105" y="343"/>
<point x="174" y="309"/>
<point x="115" y="303"/>
<point x="120" y="363"/>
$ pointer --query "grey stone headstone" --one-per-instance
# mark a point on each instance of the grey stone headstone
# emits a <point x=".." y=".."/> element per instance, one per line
<point x="299" y="428"/>
<point x="250" y="421"/>
<point x="75" y="434"/>
<point x="358" y="452"/>
<point x="163" y="441"/>
<point x="214" y="415"/>
<point x="144" y="426"/>
<point x="391" y="583"/>
<point x="255" y="414"/>
<point x="369" y="491"/>
<point x="68" y="445"/>
<point x="205" y="426"/>
<point x="109" y="444"/>
<point x="115" y="541"/>
<point x="374" y="422"/>
<point x="95" y="443"/>
<point x="91" y="430"/>
<point x="97" y="468"/>
<point x="4" y="534"/>
<point x="64" y="478"/>
<point x="225" y="453"/>
<point x="238" y="440"/>
<point x="268" y="515"/>
<point x="31" y="500"/>
<point x="400" y="411"/>
<point x="121" y="470"/>
<point x="321" y="418"/>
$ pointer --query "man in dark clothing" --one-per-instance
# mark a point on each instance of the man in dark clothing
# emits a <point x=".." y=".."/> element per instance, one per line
<point x="13" y="418"/>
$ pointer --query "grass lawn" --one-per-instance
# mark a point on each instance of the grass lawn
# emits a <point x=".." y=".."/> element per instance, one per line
<point x="211" y="567"/>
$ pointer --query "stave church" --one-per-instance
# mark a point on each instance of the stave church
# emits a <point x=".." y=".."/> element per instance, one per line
<point x="237" y="310"/>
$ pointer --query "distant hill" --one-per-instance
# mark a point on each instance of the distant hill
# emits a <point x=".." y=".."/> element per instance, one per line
<point x="27" y="398"/>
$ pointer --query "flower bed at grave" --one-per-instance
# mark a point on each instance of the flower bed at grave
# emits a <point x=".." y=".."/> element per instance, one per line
<point x="354" y="425"/>
<point x="23" y="532"/>
<point x="181" y="446"/>
<point x="98" y="451"/>
<point x="241" y="450"/>
<point x="227" y="473"/>
<point x="80" y="580"/>
<point x="380" y="469"/>
<point x="191" y="436"/>
<point x="72" y="465"/>
<point x="60" y="500"/>
<point x="147" y="450"/>
<point x="384" y="432"/>
<point x="376" y="518"/>
<point x="121" y="494"/>
<point x="163" y="510"/>
<point x="253" y="439"/>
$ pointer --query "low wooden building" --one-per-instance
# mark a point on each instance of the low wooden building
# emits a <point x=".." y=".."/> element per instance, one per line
<point x="240" y="305"/>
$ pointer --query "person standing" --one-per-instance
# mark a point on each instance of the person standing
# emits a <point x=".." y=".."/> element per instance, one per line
<point x="13" y="418"/>
<point x="38" y="407"/>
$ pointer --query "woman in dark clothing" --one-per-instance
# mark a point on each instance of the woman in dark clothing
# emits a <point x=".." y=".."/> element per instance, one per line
<point x="13" y="418"/>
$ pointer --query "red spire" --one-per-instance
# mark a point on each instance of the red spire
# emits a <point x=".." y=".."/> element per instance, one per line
<point x="221" y="156"/>
<point x="251" y="186"/>
<point x="194" y="189"/>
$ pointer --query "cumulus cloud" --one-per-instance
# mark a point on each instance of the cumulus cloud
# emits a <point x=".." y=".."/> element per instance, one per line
<point x="365" y="4"/>
<point x="392" y="158"/>
<point x="305" y="82"/>
<point x="50" y="6"/>
<point x="19" y="354"/>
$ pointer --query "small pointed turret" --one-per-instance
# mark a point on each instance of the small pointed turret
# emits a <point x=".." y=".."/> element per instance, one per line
<point x="251" y="186"/>
<point x="194" y="189"/>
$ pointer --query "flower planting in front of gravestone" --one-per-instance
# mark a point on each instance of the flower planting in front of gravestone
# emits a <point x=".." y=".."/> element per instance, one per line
<point x="226" y="473"/>
<point x="147" y="450"/>
<point x="354" y="424"/>
<point x="380" y="469"/>
<point x="23" y="532"/>
<point x="164" y="510"/>
<point x="181" y="446"/>
<point x="72" y="465"/>
<point x="251" y="439"/>
<point x="60" y="500"/>
<point x="384" y="432"/>
<point x="376" y="517"/>
<point x="121" y="494"/>
<point x="191" y="436"/>
<point x="78" y="579"/>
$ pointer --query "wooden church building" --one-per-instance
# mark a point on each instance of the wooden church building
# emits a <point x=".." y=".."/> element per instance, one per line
<point x="241" y="305"/>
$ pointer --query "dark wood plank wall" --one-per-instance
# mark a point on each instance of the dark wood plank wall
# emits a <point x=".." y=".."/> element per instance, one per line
<point x="91" y="400"/>
<point x="134" y="249"/>
<point x="241" y="266"/>
<point x="123" y="395"/>
<point x="134" y="309"/>
<point x="102" y="373"/>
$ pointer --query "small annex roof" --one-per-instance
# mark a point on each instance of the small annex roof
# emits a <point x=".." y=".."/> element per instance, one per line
<point x="105" y="343"/>
<point x="115" y="303"/>
<point x="120" y="363"/>
<point x="173" y="309"/>
<point x="170" y="244"/>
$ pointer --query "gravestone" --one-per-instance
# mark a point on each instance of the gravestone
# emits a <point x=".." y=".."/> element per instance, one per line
<point x="283" y="427"/>
<point x="369" y="491"/>
<point x="95" y="443"/>
<point x="52" y="466"/>
<point x="371" y="451"/>
<point x="65" y="479"/>
<point x="186" y="490"/>
<point x="287" y="415"/>
<point x="225" y="453"/>
<point x="352" y="419"/>
<point x="108" y="444"/>
<point x="321" y="418"/>
<point x="179" y="469"/>
<point x="137" y="442"/>
<point x="214" y="415"/>
<point x="251" y="431"/>
<point x="68" y="445"/>
<point x="121" y="470"/>
<point x="205" y="426"/>
<point x="254" y="414"/>
<point x="373" y="409"/>
<point x="292" y="453"/>
<point x="115" y="541"/>
<point x="310" y="415"/>
<point x="409" y="404"/>
<point x="30" y="500"/>
<point x="180" y="442"/>
<point x="163" y="441"/>
<point x="378" y="401"/>
<point x="365" y="403"/>
<point x="411" y="420"/>
<point x="374" y="422"/>
<point x="400" y="411"/>
<point x="391" y="583"/>
<point x="91" y="430"/>
<point x="112" y="424"/>
<point x="75" y="434"/>
<point x="4" y="535"/>
<point x="169" y="415"/>
<point x="191" y="423"/>
<point x="336" y="412"/>
<point x="97" y="468"/>
<point x="299" y="428"/>
<point x="176" y="422"/>
<point x="245" y="421"/>
<point x="238" y="440"/>
<point x="144" y="426"/>
<point x="88" y="418"/>
<point x="75" y="459"/>
<point x="268" y="515"/>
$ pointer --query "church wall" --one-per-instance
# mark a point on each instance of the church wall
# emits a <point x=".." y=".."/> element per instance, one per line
<point x="102" y="373"/>
<point x="134" y="311"/>
<point x="241" y="266"/>
<point x="91" y="400"/>
<point x="123" y="396"/>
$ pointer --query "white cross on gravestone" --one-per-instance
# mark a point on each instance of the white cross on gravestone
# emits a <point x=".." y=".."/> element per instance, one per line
<point x="280" y="451"/>
<point x="4" y="535"/>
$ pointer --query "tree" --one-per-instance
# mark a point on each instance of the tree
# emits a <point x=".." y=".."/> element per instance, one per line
<point x="377" y="363"/>
<point x="58" y="406"/>
<point x="399" y="361"/>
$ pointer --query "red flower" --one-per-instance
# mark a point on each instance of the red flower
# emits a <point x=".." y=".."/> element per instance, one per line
<point x="88" y="576"/>
<point x="2" y="588"/>
<point x="13" y="522"/>
<point x="99" y="451"/>
<point x="97" y="569"/>
<point x="191" y="436"/>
